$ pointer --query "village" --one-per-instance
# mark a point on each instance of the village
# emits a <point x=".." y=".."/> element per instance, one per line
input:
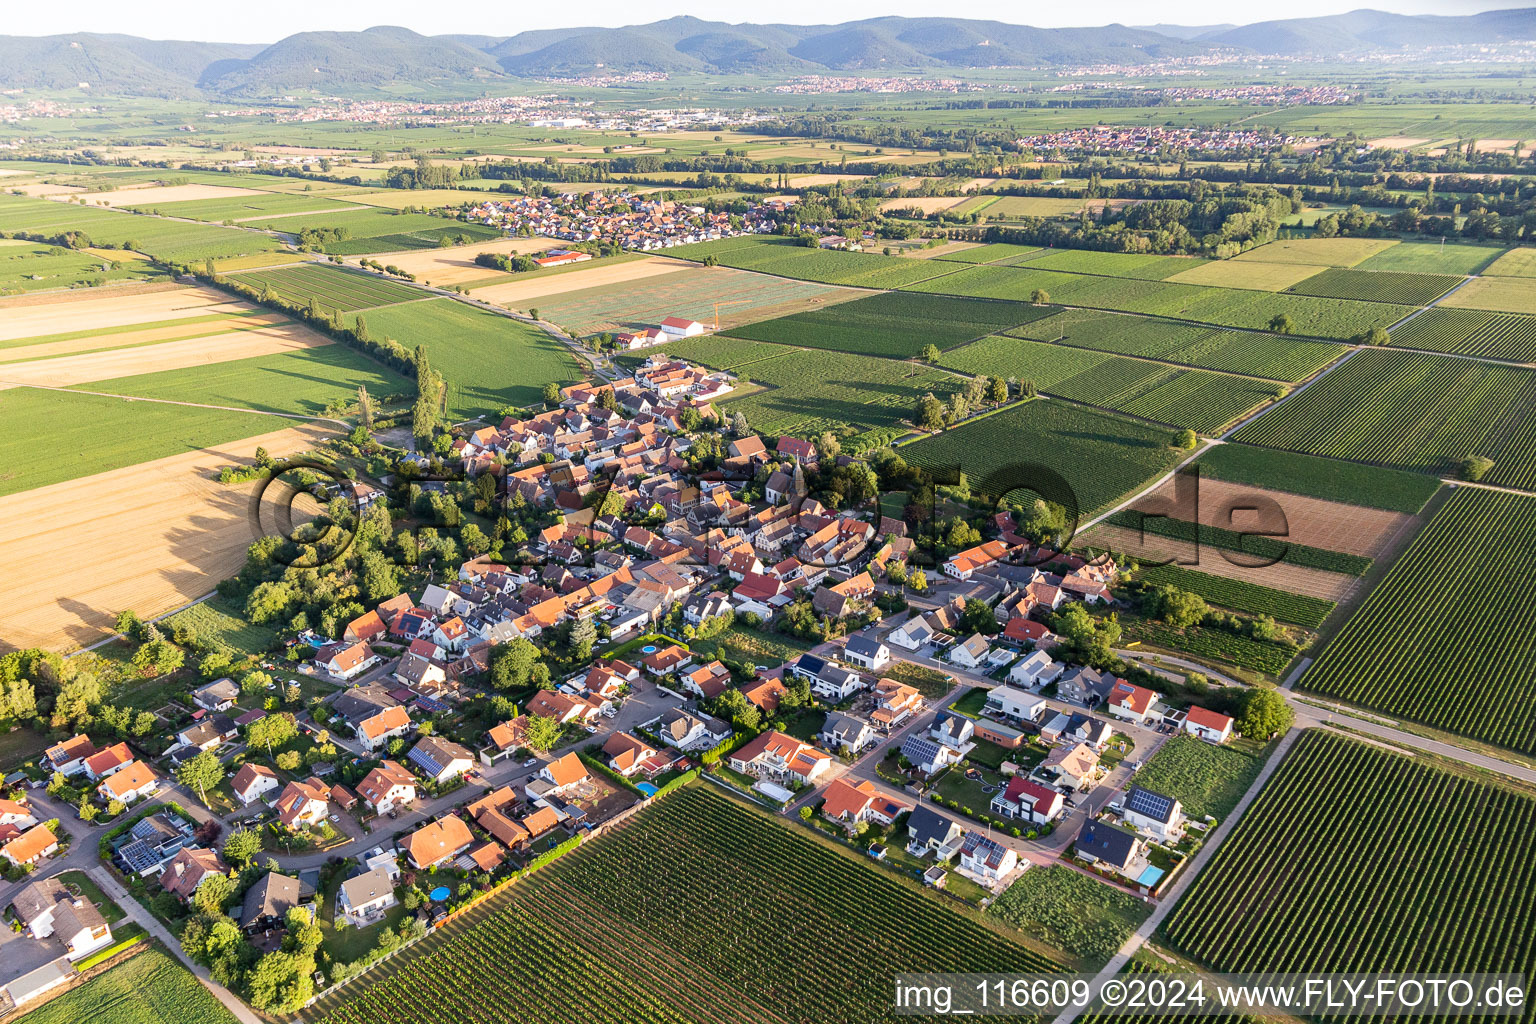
<point x="618" y="217"/>
<point x="935" y="732"/>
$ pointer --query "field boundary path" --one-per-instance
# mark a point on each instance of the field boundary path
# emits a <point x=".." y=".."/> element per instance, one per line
<point x="147" y="921"/>
<point x="170" y="401"/>
<point x="1272" y="406"/>
<point x="1166" y="904"/>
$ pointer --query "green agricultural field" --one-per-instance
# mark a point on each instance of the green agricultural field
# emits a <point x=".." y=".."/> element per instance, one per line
<point x="215" y="627"/>
<point x="245" y="208"/>
<point x="1015" y="358"/>
<point x="172" y="240"/>
<point x="1115" y="264"/>
<point x="622" y="916"/>
<point x="1213" y="644"/>
<point x="783" y="258"/>
<point x="217" y="324"/>
<point x="1201" y="400"/>
<point x="489" y="361"/>
<point x="1470" y="332"/>
<point x="307" y="382"/>
<point x="1410" y="411"/>
<point x="52" y="436"/>
<point x="333" y="289"/>
<point x="1458" y="258"/>
<point x="1264" y="277"/>
<point x="1328" y="479"/>
<point x="34" y="266"/>
<point x="1319" y="252"/>
<point x="1207" y="779"/>
<point x="1242" y="596"/>
<point x="1377" y="286"/>
<point x="1329" y="870"/>
<point x="1519" y="262"/>
<point x="893" y="324"/>
<point x="1466" y="665"/>
<point x="1102" y="457"/>
<point x="1071" y="911"/>
<point x="1017" y="207"/>
<point x="996" y="252"/>
<point x="811" y="391"/>
<point x="149" y="988"/>
<point x="1258" y="355"/>
<point x="1496" y="294"/>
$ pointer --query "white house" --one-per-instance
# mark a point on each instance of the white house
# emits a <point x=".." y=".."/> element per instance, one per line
<point x="439" y="759"/>
<point x="377" y="730"/>
<point x="47" y="908"/>
<point x="364" y="898"/>
<point x="836" y="683"/>
<point x="679" y="327"/>
<point x="840" y="730"/>
<point x="253" y="782"/>
<point x="955" y="731"/>
<point x="346" y="661"/>
<point x="927" y="755"/>
<point x="1035" y="671"/>
<point x="387" y="787"/>
<point x="777" y="755"/>
<point x="912" y="634"/>
<point x="1029" y="800"/>
<point x="1210" y="726"/>
<point x="867" y="653"/>
<point x="219" y="695"/>
<point x="1131" y="702"/>
<point x="986" y="859"/>
<point x="1153" y="812"/>
<point x="1011" y="702"/>
<point x="970" y="652"/>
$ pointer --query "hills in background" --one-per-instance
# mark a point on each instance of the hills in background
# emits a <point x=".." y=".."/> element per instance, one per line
<point x="338" y="62"/>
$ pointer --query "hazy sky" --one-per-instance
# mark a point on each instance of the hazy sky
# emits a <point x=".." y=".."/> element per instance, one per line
<point x="272" y="19"/>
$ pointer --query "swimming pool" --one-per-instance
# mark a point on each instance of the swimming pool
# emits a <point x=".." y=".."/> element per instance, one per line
<point x="439" y="894"/>
<point x="646" y="788"/>
<point x="648" y="649"/>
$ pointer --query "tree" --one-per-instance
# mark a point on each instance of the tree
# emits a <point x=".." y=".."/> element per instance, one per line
<point x="128" y="624"/>
<point x="513" y="664"/>
<point x="552" y="393"/>
<point x="1040" y="297"/>
<point x="1179" y="608"/>
<point x="1188" y="439"/>
<point x="997" y="391"/>
<point x="583" y="636"/>
<point x="918" y="581"/>
<point x="1475" y="467"/>
<point x="87" y="810"/>
<point x="242" y="846"/>
<point x="201" y="773"/>
<point x="1029" y="389"/>
<point x="271" y="731"/>
<point x="828" y="447"/>
<point x="1377" y="336"/>
<point x="213" y="893"/>
<point x="930" y="413"/>
<point x="978" y="617"/>
<point x="739" y="425"/>
<point x="288" y="760"/>
<point x="542" y="732"/>
<point x="533" y="312"/>
<point x="930" y="354"/>
<point x="1281" y="323"/>
<point x="1264" y="713"/>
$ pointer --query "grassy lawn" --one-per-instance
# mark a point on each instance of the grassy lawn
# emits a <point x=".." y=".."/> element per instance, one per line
<point x="110" y="911"/>
<point x="989" y="755"/>
<point x="972" y="702"/>
<point x="742" y="643"/>
<point x="930" y="682"/>
<point x="968" y="792"/>
<point x="1070" y="911"/>
<point x="19" y="744"/>
<point x="957" y="884"/>
<point x="1206" y="778"/>
<point x="347" y="944"/>
<point x="805" y="725"/>
<point x="218" y="625"/>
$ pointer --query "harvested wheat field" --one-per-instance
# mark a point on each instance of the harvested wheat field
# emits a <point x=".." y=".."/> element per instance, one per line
<point x="1396" y="142"/>
<point x="927" y="204"/>
<point x="65" y="371"/>
<point x="43" y="190"/>
<point x="86" y="310"/>
<point x="1264" y="277"/>
<point x="157" y="194"/>
<point x="161" y="533"/>
<point x="946" y="249"/>
<point x="456" y="264"/>
<point x="1330" y="525"/>
<point x="518" y="294"/>
<point x="195" y="328"/>
<point x="399" y="199"/>
<point x="1295" y="579"/>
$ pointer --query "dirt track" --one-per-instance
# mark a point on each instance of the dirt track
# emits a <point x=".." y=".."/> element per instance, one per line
<point x="146" y="537"/>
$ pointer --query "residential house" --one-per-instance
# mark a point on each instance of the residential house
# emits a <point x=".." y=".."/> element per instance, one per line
<point x="970" y="652"/>
<point x="707" y="681"/>
<point x="189" y="869"/>
<point x="1005" y="736"/>
<point x="765" y="693"/>
<point x="1211" y="726"/>
<point x="1072" y="767"/>
<point x="627" y="754"/>
<point x="844" y="732"/>
<point x="895" y="702"/>
<point x="867" y="653"/>
<point x="1014" y="704"/>
<point x="219" y="695"/>
<point x="928" y="830"/>
<point x="253" y="782"/>
<point x="303" y="804"/>
<point x="1029" y="800"/>
<point x="666" y="660"/>
<point x="777" y="755"/>
<point x="376" y="731"/>
<point x="852" y="804"/>
<point x="842" y="599"/>
<point x="986" y="859"/>
<point x="68" y="758"/>
<point x="677" y="728"/>
<point x="1152" y="811"/>
<point x="136" y="781"/>
<point x="106" y="762"/>
<point x="963" y="563"/>
<point x="564" y="773"/>
<point x="387" y="787"/>
<point x="440" y="759"/>
<point x="1035" y="671"/>
<point x="953" y="730"/>
<point x="1110" y="846"/>
<point x="562" y="707"/>
<point x="702" y="609"/>
<point x="46" y="908"/>
<point x="1086" y="686"/>
<point x="928" y="756"/>
<point x="1024" y="631"/>
<point x="344" y="660"/>
<point x="1132" y="703"/>
<point x="365" y="898"/>
<point x="152" y="842"/>
<point x="912" y="634"/>
<point x="836" y="683"/>
<point x="17" y="815"/>
<point x="436" y="842"/>
<point x="208" y="733"/>
<point x="31" y="846"/>
<point x="268" y="901"/>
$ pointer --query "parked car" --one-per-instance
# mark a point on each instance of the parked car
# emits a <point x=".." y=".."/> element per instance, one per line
<point x="530" y="762"/>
